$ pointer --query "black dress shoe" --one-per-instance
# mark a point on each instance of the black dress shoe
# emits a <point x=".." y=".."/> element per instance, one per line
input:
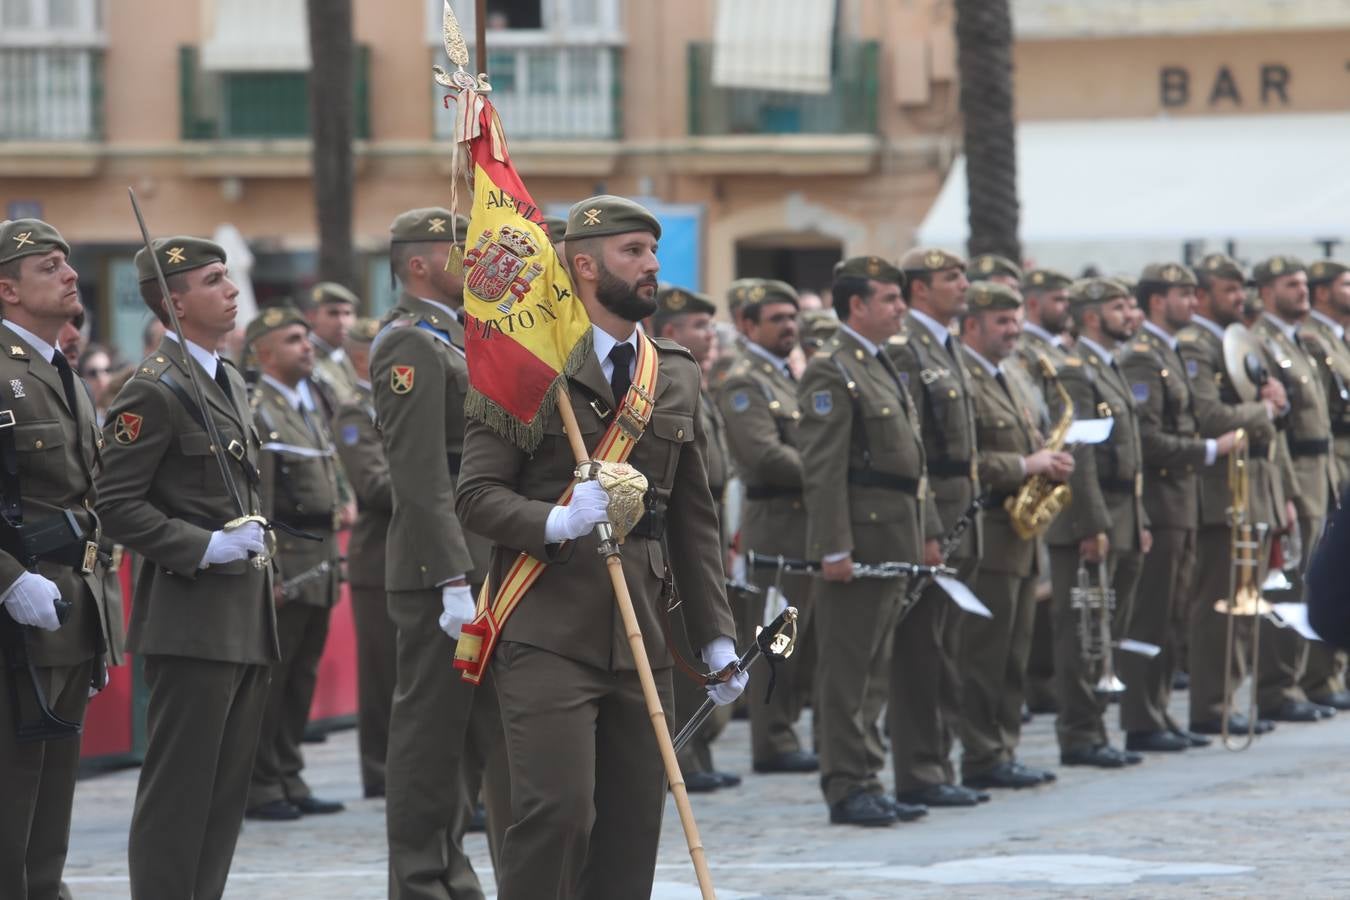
<point x="1237" y="725"/>
<point x="313" y="806"/>
<point x="1194" y="740"/>
<point x="1044" y="776"/>
<point x="477" y="821"/>
<point x="729" y="779"/>
<point x="1324" y="711"/>
<point x="862" y="809"/>
<point x="1004" y="775"/>
<point x="940" y="795"/>
<point x="904" y="812"/>
<point x="314" y="735"/>
<point x="1103" y="756"/>
<point x="1293" y="711"/>
<point x="1026" y="715"/>
<point x="702" y="782"/>
<point x="1335" y="699"/>
<point x="373" y="792"/>
<point x="1181" y="681"/>
<point x="792" y="761"/>
<point x="1156" y="742"/>
<point x="275" y="811"/>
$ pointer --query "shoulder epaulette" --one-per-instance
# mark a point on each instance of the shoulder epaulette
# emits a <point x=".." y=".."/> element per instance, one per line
<point x="670" y="346"/>
<point x="153" y="366"/>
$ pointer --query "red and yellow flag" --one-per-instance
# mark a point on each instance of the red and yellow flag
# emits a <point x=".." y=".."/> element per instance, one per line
<point x="524" y="325"/>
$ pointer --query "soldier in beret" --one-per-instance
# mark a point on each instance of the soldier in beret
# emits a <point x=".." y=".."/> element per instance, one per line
<point x="1288" y="669"/>
<point x="759" y="403"/>
<point x="816" y="327"/>
<point x="204" y="619"/>
<point x="587" y="790"/>
<point x="362" y="455"/>
<point x="330" y="313"/>
<point x="299" y="487"/>
<point x="557" y="227"/>
<point x="1105" y="520"/>
<point x="1218" y="409"/>
<point x="993" y="652"/>
<point x="741" y="292"/>
<point x="1174" y="454"/>
<point x="53" y="442"/>
<point x="925" y="686"/>
<point x="867" y="500"/>
<point x="996" y="269"/>
<point x="443" y="731"/>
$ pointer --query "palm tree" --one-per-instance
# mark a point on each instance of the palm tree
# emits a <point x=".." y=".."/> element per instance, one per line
<point x="984" y="37"/>
<point x="332" y="104"/>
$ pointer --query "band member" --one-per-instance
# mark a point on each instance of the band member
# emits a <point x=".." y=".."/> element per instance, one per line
<point x="330" y="313"/>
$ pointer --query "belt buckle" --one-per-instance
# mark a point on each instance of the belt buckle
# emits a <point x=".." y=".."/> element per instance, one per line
<point x="6" y="418"/>
<point x="90" y="558"/>
<point x="629" y="419"/>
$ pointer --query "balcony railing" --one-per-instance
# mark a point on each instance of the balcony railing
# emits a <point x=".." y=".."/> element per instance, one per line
<point x="550" y="92"/>
<point x="257" y="105"/>
<point x="849" y="108"/>
<point x="51" y="94"/>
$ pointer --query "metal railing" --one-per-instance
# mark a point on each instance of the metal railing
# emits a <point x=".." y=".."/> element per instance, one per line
<point x="850" y="107"/>
<point x="257" y="105"/>
<point x="561" y="92"/>
<point x="51" y="94"/>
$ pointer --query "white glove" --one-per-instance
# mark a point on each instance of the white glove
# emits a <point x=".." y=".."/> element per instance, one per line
<point x="718" y="653"/>
<point x="457" y="603"/>
<point x="228" y="546"/>
<point x="93" y="691"/>
<point x="31" y="600"/>
<point x="588" y="508"/>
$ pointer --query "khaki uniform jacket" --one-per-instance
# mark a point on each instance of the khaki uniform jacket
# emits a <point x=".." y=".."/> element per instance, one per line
<point x="1336" y="375"/>
<point x="299" y="489"/>
<point x="1169" y="435"/>
<point x="759" y="405"/>
<point x="1027" y="355"/>
<point x="856" y="433"/>
<point x="161" y="495"/>
<point x="506" y="495"/>
<point x="726" y="360"/>
<point x="1005" y="433"/>
<point x="1217" y="410"/>
<point x="420" y="379"/>
<point x="57" y="472"/>
<point x="938" y="385"/>
<point x="1309" y="423"/>
<point x="336" y="376"/>
<point x="1107" y="480"/>
<point x="362" y="454"/>
<point x="719" y="459"/>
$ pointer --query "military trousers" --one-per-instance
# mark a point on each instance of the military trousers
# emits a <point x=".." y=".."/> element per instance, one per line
<point x="925" y="691"/>
<point x="1324" y="671"/>
<point x="37" y="780"/>
<point x="587" y="782"/>
<point x="1283" y="663"/>
<point x="1165" y="583"/>
<point x="689" y="696"/>
<point x="202" y="725"/>
<point x="993" y="659"/>
<point x="854" y="626"/>
<point x="376" y="675"/>
<point x="1080" y="724"/>
<point x="772" y="724"/>
<point x="302" y="631"/>
<point x="445" y="742"/>
<point x="1209" y="653"/>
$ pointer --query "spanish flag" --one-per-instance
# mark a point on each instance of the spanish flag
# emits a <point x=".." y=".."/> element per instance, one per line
<point x="525" y="329"/>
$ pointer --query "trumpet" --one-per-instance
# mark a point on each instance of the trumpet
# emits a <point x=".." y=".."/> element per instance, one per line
<point x="1244" y="593"/>
<point x="1096" y="606"/>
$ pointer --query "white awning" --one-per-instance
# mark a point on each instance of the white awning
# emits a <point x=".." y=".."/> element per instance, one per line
<point x="257" y="36"/>
<point x="775" y="45"/>
<point x="1274" y="183"/>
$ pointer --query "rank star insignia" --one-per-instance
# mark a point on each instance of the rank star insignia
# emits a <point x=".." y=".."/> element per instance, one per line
<point x="127" y="427"/>
<point x="436" y="226"/>
<point x="23" y="239"/>
<point x="401" y="379"/>
<point x="16" y="350"/>
<point x="175" y="255"/>
<point x="592" y="217"/>
<point x="16" y="387"/>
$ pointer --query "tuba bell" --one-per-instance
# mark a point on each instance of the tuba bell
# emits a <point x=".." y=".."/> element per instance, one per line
<point x="1039" y="499"/>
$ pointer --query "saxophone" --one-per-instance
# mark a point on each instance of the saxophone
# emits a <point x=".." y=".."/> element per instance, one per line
<point x="1039" y="499"/>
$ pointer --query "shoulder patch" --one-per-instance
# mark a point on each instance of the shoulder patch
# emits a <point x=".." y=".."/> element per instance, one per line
<point x="401" y="379"/>
<point x="1191" y="368"/>
<point x="350" y="435"/>
<point x="127" y="428"/>
<point x="904" y="377"/>
<point x="1140" y="391"/>
<point x="740" y="401"/>
<point x="822" y="403"/>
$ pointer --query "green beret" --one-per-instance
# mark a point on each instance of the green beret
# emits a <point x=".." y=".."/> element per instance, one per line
<point x="989" y="295"/>
<point x="1221" y="265"/>
<point x="817" y="325"/>
<point x="270" y="320"/>
<point x="1326" y="270"/>
<point x="28" y="237"/>
<point x="1096" y="290"/>
<point x="676" y="300"/>
<point x="557" y="227"/>
<point x="331" y="292"/>
<point x="1270" y="269"/>
<point x="1170" y="274"/>
<point x="927" y="259"/>
<point x="605" y="215"/>
<point x="989" y="264"/>
<point x="871" y="267"/>
<point x="176" y="255"/>
<point x="1046" y="280"/>
<point x="363" y="330"/>
<point x="431" y="223"/>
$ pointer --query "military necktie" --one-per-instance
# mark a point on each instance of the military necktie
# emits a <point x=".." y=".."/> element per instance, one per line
<point x="224" y="381"/>
<point x="68" y="384"/>
<point x="620" y="379"/>
<point x="1003" y="383"/>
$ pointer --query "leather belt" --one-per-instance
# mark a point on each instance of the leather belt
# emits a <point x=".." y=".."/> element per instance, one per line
<point x="1340" y="429"/>
<point x="1312" y="447"/>
<point x="322" y="521"/>
<point x="770" y="492"/>
<point x="1117" y="485"/>
<point x="949" y="468"/>
<point x="652" y="525"/>
<point x="869" y="478"/>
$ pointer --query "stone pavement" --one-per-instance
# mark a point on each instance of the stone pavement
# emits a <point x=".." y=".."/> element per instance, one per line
<point x="1205" y="823"/>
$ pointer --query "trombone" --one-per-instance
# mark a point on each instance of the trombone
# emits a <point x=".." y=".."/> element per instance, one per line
<point x="1243" y="570"/>
<point x="1096" y="606"/>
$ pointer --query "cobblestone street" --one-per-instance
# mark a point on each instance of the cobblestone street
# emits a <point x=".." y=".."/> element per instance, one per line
<point x="1269" y="822"/>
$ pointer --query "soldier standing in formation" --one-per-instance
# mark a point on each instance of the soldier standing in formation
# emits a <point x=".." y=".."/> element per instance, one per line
<point x="299" y="488"/>
<point x="330" y="313"/>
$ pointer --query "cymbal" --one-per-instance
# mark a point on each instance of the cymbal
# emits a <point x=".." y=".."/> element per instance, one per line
<point x="1242" y="359"/>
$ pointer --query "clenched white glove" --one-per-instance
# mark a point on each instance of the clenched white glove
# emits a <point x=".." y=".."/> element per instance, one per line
<point x="228" y="546"/>
<point x="31" y="600"/>
<point x="719" y="652"/>
<point x="457" y="609"/>
<point x="587" y="509"/>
